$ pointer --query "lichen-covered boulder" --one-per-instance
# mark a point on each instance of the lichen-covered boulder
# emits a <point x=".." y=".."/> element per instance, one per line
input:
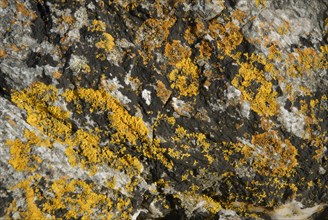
<point x="183" y="109"/>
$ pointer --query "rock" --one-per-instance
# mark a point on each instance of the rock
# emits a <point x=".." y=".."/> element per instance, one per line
<point x="163" y="109"/>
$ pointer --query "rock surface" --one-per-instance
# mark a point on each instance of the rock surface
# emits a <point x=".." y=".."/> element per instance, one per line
<point x="199" y="109"/>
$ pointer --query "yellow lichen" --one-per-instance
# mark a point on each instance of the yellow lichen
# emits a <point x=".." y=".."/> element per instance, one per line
<point x="83" y="204"/>
<point x="263" y="101"/>
<point x="272" y="156"/>
<point x="20" y="155"/>
<point x="185" y="78"/>
<point x="98" y="25"/>
<point x="32" y="210"/>
<point x="107" y="43"/>
<point x="259" y="3"/>
<point x="176" y="52"/>
<point x="151" y="35"/>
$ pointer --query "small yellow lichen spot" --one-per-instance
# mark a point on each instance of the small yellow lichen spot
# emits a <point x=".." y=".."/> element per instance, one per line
<point x="260" y="3"/>
<point x="56" y="74"/>
<point x="107" y="43"/>
<point x="86" y="68"/>
<point x="98" y="25"/>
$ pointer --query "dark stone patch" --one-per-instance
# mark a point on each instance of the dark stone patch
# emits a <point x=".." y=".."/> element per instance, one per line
<point x="323" y="215"/>
<point x="5" y="199"/>
<point x="37" y="59"/>
<point x="288" y="105"/>
<point x="4" y="87"/>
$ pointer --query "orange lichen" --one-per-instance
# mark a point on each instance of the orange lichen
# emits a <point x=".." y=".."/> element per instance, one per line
<point x="20" y="7"/>
<point x="239" y="15"/>
<point x="162" y="92"/>
<point x="205" y="50"/>
<point x="230" y="37"/>
<point x="3" y="54"/>
<point x="83" y="147"/>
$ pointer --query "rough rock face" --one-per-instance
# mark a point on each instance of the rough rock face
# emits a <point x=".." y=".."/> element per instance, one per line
<point x="160" y="109"/>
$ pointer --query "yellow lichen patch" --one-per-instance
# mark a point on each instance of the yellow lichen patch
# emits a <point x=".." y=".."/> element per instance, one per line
<point x="36" y="140"/>
<point x="107" y="43"/>
<point x="205" y="50"/>
<point x="87" y="146"/>
<point x="272" y="156"/>
<point x="176" y="52"/>
<point x="185" y="142"/>
<point x="21" y="156"/>
<point x="32" y="211"/>
<point x="68" y="19"/>
<point x="83" y="147"/>
<point x="259" y="3"/>
<point x="98" y="25"/>
<point x="127" y="127"/>
<point x="263" y="101"/>
<point x="306" y="60"/>
<point x="189" y="36"/>
<point x="274" y="53"/>
<point x="38" y="101"/>
<point x="151" y="35"/>
<point x="284" y="28"/>
<point x="239" y="15"/>
<point x="86" y="68"/>
<point x="185" y="78"/>
<point x="229" y="37"/>
<point x="56" y="74"/>
<point x="79" y="199"/>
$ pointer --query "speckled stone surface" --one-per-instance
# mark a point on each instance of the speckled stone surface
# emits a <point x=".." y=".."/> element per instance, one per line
<point x="160" y="109"/>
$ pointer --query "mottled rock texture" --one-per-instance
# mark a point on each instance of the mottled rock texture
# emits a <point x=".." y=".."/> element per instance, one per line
<point x="163" y="109"/>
